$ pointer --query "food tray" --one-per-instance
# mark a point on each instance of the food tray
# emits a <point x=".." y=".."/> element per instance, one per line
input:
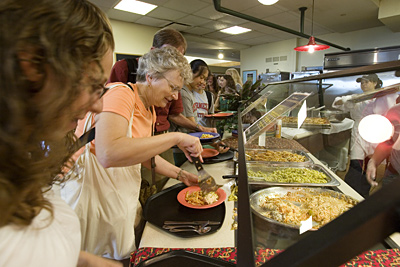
<point x="205" y="140"/>
<point x="307" y="162"/>
<point x="260" y="182"/>
<point x="258" y="196"/>
<point x="164" y="206"/>
<point x="308" y="123"/>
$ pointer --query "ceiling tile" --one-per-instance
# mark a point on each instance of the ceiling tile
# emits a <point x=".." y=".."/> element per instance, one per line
<point x="177" y="26"/>
<point x="199" y="30"/>
<point x="155" y="2"/>
<point x="285" y="35"/>
<point x="239" y="5"/>
<point x="184" y="6"/>
<point x="247" y="35"/>
<point x="263" y="11"/>
<point x="217" y="35"/>
<point x="259" y="27"/>
<point x="151" y="22"/>
<point x="209" y="13"/>
<point x="193" y="20"/>
<point x="216" y="25"/>
<point x="166" y="13"/>
<point x="106" y="3"/>
<point x="261" y="40"/>
<point x="282" y="18"/>
<point x="123" y="15"/>
<point x="232" y="20"/>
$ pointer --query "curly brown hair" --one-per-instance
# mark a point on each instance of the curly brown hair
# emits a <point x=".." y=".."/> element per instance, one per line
<point x="62" y="37"/>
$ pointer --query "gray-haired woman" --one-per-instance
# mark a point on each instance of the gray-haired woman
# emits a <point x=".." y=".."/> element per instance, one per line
<point x="160" y="75"/>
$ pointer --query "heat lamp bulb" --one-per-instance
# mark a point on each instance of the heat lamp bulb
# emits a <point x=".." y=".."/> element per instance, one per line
<point x="311" y="49"/>
<point x="375" y="128"/>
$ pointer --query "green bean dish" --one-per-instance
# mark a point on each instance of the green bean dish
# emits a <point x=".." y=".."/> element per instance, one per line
<point x="292" y="175"/>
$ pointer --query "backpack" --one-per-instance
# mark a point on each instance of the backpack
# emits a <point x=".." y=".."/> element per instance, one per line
<point x="132" y="69"/>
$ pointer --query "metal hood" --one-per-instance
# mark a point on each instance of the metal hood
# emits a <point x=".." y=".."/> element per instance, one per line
<point x="359" y="58"/>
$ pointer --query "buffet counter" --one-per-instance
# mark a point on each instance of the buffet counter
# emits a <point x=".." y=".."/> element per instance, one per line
<point x="222" y="244"/>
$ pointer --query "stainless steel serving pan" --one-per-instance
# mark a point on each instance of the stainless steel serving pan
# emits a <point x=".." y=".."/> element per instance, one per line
<point x="307" y="162"/>
<point x="258" y="197"/>
<point x="260" y="182"/>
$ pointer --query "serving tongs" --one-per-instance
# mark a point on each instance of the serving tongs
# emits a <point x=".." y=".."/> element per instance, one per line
<point x="206" y="181"/>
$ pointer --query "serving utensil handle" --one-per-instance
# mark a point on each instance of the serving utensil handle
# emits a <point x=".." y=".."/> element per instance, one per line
<point x="197" y="163"/>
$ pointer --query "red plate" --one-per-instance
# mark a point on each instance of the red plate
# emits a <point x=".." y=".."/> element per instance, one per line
<point x="219" y="115"/>
<point x="182" y="198"/>
<point x="209" y="153"/>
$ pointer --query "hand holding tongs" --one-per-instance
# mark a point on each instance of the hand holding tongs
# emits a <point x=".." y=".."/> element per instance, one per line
<point x="206" y="181"/>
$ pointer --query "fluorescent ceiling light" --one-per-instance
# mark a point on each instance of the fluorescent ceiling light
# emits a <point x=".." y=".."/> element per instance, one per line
<point x="235" y="30"/>
<point x="134" y="6"/>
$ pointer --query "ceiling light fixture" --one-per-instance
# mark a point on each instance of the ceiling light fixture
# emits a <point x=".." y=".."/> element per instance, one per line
<point x="268" y="2"/>
<point x="134" y="6"/>
<point x="312" y="45"/>
<point x="220" y="55"/>
<point x="235" y="30"/>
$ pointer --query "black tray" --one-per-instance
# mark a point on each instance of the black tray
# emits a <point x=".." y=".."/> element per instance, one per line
<point x="164" y="206"/>
<point x="183" y="258"/>
<point x="220" y="157"/>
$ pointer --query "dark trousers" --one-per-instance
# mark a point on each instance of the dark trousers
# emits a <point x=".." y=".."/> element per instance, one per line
<point x="356" y="178"/>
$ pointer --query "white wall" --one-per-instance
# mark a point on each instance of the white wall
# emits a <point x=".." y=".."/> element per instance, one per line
<point x="133" y="39"/>
<point x="254" y="57"/>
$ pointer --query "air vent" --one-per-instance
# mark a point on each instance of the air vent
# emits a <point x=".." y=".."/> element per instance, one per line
<point x="275" y="59"/>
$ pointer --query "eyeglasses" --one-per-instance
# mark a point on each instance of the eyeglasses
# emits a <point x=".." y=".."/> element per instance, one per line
<point x="173" y="87"/>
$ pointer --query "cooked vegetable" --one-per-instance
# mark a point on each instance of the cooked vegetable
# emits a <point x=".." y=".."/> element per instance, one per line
<point x="292" y="175"/>
<point x="278" y="156"/>
<point x="206" y="136"/>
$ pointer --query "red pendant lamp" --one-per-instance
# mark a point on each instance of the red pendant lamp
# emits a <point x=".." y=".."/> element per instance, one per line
<point x="312" y="45"/>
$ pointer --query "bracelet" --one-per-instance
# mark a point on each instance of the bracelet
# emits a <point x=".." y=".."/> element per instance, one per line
<point x="179" y="175"/>
<point x="198" y="127"/>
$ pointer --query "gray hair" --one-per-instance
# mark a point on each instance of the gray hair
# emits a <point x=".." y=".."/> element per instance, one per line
<point x="161" y="60"/>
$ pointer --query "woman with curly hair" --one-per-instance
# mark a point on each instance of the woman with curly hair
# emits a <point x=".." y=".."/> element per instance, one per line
<point x="55" y="57"/>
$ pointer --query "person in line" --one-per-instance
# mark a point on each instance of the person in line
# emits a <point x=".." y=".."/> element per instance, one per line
<point x="388" y="149"/>
<point x="361" y="150"/>
<point x="171" y="112"/>
<point x="56" y="56"/>
<point x="200" y="73"/>
<point x="237" y="79"/>
<point x="226" y="87"/>
<point x="160" y="76"/>
<point x="211" y="85"/>
<point x="203" y="100"/>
